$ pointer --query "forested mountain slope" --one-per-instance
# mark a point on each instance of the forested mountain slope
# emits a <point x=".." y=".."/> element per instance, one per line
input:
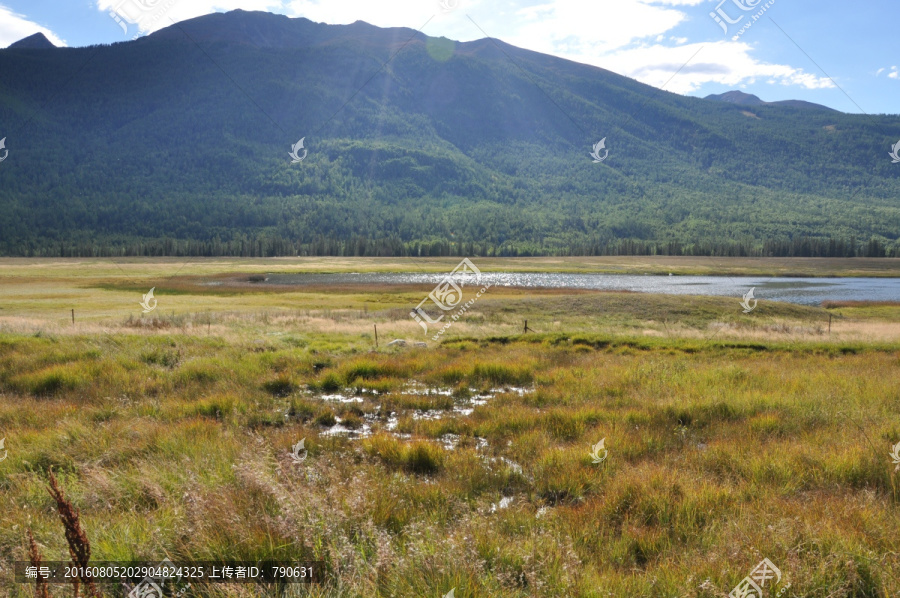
<point x="179" y="142"/>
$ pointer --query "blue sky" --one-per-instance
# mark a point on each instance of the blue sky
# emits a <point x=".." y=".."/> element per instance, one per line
<point x="840" y="54"/>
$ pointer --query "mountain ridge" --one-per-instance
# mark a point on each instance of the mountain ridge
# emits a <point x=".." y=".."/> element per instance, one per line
<point x="746" y="99"/>
<point x="36" y="41"/>
<point x="415" y="143"/>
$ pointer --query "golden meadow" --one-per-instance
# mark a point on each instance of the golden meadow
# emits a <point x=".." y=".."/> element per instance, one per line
<point x="462" y="466"/>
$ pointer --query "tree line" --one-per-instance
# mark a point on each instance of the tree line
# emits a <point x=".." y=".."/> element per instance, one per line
<point x="276" y="246"/>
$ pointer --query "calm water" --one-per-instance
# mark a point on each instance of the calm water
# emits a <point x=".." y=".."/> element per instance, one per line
<point x="806" y="291"/>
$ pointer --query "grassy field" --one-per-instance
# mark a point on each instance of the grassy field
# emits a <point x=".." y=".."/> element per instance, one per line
<point x="463" y="465"/>
<point x="163" y="268"/>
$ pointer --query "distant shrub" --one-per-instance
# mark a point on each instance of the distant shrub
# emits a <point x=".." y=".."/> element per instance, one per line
<point x="154" y="323"/>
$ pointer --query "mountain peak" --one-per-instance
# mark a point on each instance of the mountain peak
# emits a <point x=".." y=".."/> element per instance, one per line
<point x="736" y="97"/>
<point x="267" y="30"/>
<point x="748" y="99"/>
<point x="38" y="41"/>
<point x="254" y="28"/>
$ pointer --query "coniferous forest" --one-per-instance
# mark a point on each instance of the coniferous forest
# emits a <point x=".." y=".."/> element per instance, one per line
<point x="178" y="144"/>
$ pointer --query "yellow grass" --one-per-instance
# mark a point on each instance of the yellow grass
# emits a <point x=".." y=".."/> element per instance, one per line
<point x="731" y="437"/>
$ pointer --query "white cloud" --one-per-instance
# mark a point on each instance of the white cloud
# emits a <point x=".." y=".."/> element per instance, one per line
<point x="14" y="27"/>
<point x="587" y="28"/>
<point x="618" y="37"/>
<point x="624" y="36"/>
<point x="162" y="13"/>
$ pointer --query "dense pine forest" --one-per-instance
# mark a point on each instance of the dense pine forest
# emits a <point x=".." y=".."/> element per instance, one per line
<point x="359" y="247"/>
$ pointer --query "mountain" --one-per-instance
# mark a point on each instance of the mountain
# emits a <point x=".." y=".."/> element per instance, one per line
<point x="748" y="99"/>
<point x="736" y="97"/>
<point x="37" y="41"/>
<point x="179" y="142"/>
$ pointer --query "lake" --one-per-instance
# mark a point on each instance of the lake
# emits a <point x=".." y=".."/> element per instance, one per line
<point x="805" y="291"/>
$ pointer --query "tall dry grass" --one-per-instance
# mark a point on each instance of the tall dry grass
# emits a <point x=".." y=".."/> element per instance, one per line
<point x="721" y="452"/>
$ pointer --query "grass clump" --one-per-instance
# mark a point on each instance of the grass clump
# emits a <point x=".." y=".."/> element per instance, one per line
<point x="420" y="457"/>
<point x="330" y="382"/>
<point x="371" y="370"/>
<point x="326" y="419"/>
<point x="281" y="386"/>
<point x="500" y="374"/>
<point x="167" y="358"/>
